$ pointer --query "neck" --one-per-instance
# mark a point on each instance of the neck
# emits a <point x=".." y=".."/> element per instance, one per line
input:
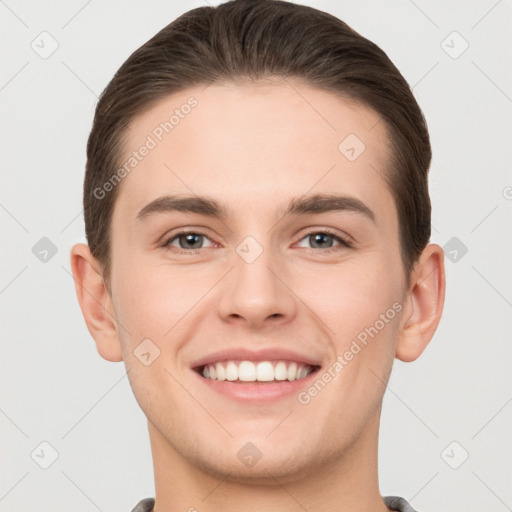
<point x="343" y="483"/>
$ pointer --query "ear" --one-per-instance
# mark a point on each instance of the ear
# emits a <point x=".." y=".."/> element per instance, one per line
<point x="95" y="302"/>
<point x="424" y="304"/>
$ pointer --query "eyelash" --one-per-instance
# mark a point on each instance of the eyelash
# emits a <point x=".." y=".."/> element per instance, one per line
<point x="343" y="241"/>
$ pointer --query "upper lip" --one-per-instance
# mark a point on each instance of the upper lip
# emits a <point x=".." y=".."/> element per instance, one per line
<point x="266" y="354"/>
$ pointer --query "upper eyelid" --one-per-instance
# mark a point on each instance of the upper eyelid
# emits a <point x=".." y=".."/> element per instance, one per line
<point x="171" y="238"/>
<point x="343" y="239"/>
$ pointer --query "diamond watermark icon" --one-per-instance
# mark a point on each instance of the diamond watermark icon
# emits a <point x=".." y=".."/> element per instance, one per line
<point x="249" y="455"/>
<point x="454" y="45"/>
<point x="44" y="250"/>
<point x="455" y="455"/>
<point x="249" y="249"/>
<point x="44" y="455"/>
<point x="146" y="352"/>
<point x="455" y="249"/>
<point x="44" y="45"/>
<point x="351" y="147"/>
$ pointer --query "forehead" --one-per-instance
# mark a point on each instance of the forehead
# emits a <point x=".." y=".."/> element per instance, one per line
<point x="274" y="139"/>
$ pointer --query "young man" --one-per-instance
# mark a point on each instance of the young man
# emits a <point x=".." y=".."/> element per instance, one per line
<point x="258" y="223"/>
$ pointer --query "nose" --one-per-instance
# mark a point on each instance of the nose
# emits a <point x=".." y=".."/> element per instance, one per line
<point x="256" y="294"/>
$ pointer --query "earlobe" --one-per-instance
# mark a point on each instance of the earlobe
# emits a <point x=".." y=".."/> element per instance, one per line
<point x="95" y="302"/>
<point x="424" y="304"/>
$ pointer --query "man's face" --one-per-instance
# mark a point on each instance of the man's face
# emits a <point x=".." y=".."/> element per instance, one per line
<point x="258" y="285"/>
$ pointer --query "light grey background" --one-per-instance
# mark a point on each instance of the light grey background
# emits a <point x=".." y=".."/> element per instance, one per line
<point x="57" y="389"/>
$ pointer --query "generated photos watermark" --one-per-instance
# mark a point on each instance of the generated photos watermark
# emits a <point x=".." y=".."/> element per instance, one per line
<point x="342" y="360"/>
<point x="156" y="136"/>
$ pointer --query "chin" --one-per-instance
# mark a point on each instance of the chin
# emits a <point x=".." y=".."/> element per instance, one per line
<point x="244" y="462"/>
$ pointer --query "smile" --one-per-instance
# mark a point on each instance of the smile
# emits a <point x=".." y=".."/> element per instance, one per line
<point x="257" y="371"/>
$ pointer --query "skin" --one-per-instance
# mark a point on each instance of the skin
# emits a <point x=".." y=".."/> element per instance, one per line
<point x="253" y="147"/>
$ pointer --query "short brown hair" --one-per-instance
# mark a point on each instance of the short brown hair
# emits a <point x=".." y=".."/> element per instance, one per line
<point x="255" y="39"/>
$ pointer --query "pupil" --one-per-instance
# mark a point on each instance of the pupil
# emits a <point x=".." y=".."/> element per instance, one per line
<point x="190" y="240"/>
<point x="321" y="238"/>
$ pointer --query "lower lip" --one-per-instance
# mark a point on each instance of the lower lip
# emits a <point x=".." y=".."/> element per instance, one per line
<point x="257" y="391"/>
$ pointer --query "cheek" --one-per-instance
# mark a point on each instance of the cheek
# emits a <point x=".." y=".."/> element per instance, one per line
<point x="351" y="296"/>
<point x="148" y="306"/>
<point x="153" y="299"/>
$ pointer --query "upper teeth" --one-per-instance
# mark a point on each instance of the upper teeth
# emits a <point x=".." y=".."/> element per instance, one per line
<point x="264" y="371"/>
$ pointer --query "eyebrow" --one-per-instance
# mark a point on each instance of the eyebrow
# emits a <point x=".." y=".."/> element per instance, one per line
<point x="314" y="204"/>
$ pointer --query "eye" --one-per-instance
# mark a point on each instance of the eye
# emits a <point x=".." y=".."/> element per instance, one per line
<point x="325" y="240"/>
<point x="187" y="240"/>
<point x="190" y="241"/>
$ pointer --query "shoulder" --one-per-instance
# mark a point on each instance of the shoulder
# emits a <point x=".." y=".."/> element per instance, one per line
<point x="393" y="502"/>
<point x="399" y="504"/>
<point x="145" y="505"/>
